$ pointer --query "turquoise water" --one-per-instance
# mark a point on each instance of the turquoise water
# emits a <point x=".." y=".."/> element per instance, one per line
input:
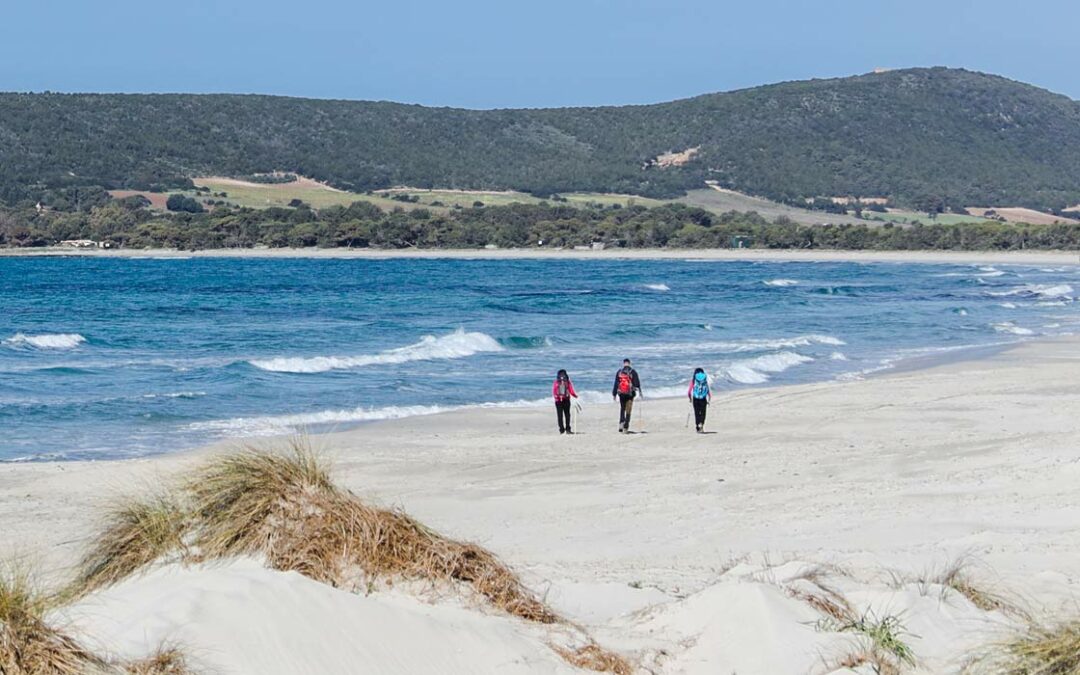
<point x="122" y="357"/>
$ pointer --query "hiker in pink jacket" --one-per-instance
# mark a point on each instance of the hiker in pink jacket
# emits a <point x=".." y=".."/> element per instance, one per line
<point x="563" y="390"/>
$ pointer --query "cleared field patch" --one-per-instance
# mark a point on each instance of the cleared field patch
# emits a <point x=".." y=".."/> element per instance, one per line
<point x="902" y="217"/>
<point x="719" y="200"/>
<point x="157" y="199"/>
<point x="1022" y="215"/>
<point x="264" y="195"/>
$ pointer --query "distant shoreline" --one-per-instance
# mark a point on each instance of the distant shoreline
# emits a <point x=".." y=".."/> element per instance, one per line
<point x="790" y="255"/>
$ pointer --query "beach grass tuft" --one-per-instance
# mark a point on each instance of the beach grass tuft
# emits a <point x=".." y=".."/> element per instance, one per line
<point x="285" y="507"/>
<point x="594" y="657"/>
<point x="28" y="644"/>
<point x="166" y="661"/>
<point x="135" y="533"/>
<point x="1043" y="649"/>
<point x="956" y="577"/>
<point x="886" y="647"/>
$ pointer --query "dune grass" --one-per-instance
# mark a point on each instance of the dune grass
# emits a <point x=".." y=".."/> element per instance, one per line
<point x="134" y="534"/>
<point x="594" y="657"/>
<point x="28" y="644"/>
<point x="957" y="578"/>
<point x="166" y="661"/>
<point x="283" y="507"/>
<point x="1043" y="649"/>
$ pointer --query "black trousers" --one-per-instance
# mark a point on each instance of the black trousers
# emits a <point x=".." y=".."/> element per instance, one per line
<point x="701" y="406"/>
<point x="562" y="411"/>
<point x="626" y="406"/>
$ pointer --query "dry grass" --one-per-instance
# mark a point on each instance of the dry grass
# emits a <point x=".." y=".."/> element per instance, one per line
<point x="870" y="656"/>
<point x="285" y="507"/>
<point x="957" y="578"/>
<point x="28" y="645"/>
<point x="135" y="534"/>
<point x="166" y="661"/>
<point x="1043" y="650"/>
<point x="596" y="658"/>
<point x="828" y="602"/>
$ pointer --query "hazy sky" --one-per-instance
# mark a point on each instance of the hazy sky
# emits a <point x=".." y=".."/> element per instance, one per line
<point x="488" y="53"/>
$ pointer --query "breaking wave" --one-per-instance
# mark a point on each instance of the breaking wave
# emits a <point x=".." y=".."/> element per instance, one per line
<point x="758" y="369"/>
<point x="1063" y="291"/>
<point x="46" y="340"/>
<point x="780" y="282"/>
<point x="456" y="345"/>
<point x="1012" y="328"/>
<point x="657" y="287"/>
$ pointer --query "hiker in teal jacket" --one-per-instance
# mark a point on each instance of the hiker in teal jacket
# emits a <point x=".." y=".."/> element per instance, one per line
<point x="700" y="396"/>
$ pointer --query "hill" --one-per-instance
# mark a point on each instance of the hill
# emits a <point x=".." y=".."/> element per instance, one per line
<point x="937" y="135"/>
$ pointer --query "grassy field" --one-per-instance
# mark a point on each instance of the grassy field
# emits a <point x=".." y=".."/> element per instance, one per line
<point x="910" y="217"/>
<point x="259" y="196"/>
<point x="721" y="201"/>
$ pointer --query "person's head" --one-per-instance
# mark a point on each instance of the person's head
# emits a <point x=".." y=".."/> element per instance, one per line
<point x="561" y="375"/>
<point x="699" y="375"/>
<point x="626" y="364"/>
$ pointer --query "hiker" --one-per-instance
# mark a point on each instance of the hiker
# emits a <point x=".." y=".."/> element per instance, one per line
<point x="563" y="390"/>
<point x="700" y="396"/>
<point x="627" y="387"/>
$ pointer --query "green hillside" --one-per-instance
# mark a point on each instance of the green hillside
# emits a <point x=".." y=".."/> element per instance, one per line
<point x="916" y="136"/>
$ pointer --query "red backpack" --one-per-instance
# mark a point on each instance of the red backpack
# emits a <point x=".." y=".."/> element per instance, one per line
<point x="626" y="382"/>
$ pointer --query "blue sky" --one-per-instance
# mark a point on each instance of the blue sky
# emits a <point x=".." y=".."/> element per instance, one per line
<point x="485" y="53"/>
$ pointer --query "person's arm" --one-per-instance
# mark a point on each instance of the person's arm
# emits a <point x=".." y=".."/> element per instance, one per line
<point x="690" y="390"/>
<point x="555" y="390"/>
<point x="615" y="387"/>
<point x="637" y="384"/>
<point x="570" y="386"/>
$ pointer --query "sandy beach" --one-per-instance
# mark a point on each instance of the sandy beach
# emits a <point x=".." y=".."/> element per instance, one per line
<point x="792" y="255"/>
<point x="629" y="535"/>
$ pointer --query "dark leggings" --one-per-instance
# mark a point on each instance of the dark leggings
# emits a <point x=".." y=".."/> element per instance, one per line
<point x="626" y="406"/>
<point x="701" y="405"/>
<point x="562" y="411"/>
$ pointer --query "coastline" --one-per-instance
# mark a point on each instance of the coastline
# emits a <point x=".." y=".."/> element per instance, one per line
<point x="953" y="457"/>
<point x="771" y="255"/>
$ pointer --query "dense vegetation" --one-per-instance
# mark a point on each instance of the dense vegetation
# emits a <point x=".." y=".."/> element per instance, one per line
<point x="127" y="223"/>
<point x="924" y="136"/>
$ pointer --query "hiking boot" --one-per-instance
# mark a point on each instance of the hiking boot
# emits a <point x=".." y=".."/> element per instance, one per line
<point x="569" y="432"/>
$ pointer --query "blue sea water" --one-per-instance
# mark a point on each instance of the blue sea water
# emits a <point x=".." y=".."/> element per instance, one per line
<point x="113" y="357"/>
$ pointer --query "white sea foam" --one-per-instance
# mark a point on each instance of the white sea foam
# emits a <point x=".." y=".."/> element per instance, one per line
<point x="780" y="282"/>
<point x="1064" y="291"/>
<point x="751" y="345"/>
<point x="657" y="287"/>
<point x="456" y="345"/>
<point x="838" y="356"/>
<point x="758" y="369"/>
<point x="46" y="340"/>
<point x="1008" y="305"/>
<point x="1012" y="328"/>
<point x="287" y="424"/>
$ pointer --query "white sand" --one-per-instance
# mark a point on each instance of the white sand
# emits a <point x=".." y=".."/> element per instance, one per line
<point x="904" y="472"/>
<point x="938" y="257"/>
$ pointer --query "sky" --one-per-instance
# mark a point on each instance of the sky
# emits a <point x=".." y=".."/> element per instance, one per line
<point x="495" y="54"/>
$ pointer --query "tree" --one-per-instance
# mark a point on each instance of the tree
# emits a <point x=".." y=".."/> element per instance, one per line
<point x="178" y="202"/>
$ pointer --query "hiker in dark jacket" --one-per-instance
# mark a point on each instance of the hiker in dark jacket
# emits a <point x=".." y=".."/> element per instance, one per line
<point x="700" y="396"/>
<point x="627" y="386"/>
<point x="562" y="390"/>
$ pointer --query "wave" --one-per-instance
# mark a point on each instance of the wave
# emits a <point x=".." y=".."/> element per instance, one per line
<point x="750" y="345"/>
<point x="780" y="282"/>
<point x="838" y="356"/>
<point x="757" y="370"/>
<point x="1012" y="328"/>
<point x="286" y="424"/>
<point x="658" y="287"/>
<point x="524" y="342"/>
<point x="1063" y="291"/>
<point x="456" y="345"/>
<point x="46" y="340"/>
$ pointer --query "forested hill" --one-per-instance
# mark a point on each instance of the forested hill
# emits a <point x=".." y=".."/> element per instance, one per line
<point x="967" y="138"/>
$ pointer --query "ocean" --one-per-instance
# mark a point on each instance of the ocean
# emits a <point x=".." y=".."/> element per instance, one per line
<point x="122" y="357"/>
